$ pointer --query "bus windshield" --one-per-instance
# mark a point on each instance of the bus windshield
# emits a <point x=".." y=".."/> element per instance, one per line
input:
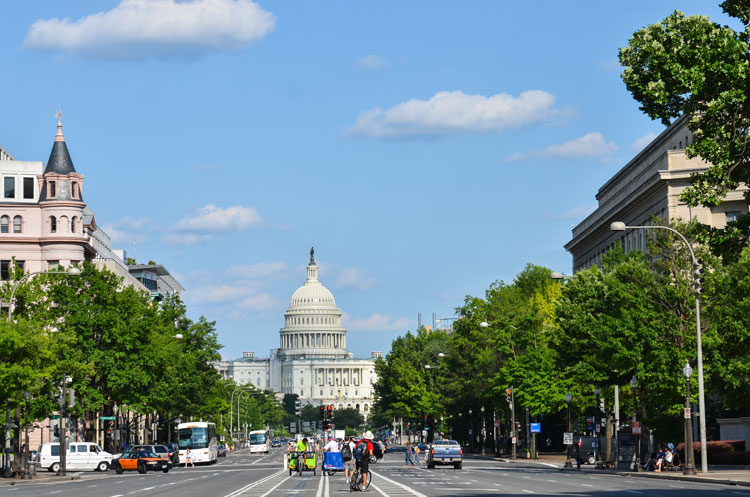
<point x="257" y="438"/>
<point x="192" y="438"/>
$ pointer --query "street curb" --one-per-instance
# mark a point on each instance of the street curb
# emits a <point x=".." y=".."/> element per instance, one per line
<point x="10" y="482"/>
<point x="666" y="476"/>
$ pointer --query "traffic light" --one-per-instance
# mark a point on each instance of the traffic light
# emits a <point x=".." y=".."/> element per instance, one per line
<point x="298" y="407"/>
<point x="330" y="411"/>
<point x="518" y="426"/>
<point x="322" y="413"/>
<point x="508" y="395"/>
<point x="699" y="272"/>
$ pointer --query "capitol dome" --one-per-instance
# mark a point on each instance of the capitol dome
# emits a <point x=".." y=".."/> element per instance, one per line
<point x="313" y="322"/>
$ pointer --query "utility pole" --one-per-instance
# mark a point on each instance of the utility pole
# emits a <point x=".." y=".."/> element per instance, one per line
<point x="513" y="432"/>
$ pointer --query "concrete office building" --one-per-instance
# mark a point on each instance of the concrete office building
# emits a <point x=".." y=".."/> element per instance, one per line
<point x="649" y="185"/>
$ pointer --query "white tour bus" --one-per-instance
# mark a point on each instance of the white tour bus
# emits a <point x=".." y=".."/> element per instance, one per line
<point x="200" y="438"/>
<point x="260" y="441"/>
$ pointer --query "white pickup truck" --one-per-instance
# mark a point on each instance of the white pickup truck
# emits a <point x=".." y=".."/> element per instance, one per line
<point x="445" y="452"/>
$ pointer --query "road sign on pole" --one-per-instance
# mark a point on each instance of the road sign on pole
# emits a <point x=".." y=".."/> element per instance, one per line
<point x="536" y="427"/>
<point x="568" y="438"/>
<point x="637" y="428"/>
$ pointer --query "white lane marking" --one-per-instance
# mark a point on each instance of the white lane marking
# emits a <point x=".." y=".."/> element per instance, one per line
<point x="56" y="492"/>
<point x="377" y="489"/>
<point x="320" y="487"/>
<point x="401" y="485"/>
<point x="147" y="488"/>
<point x="327" y="490"/>
<point x="586" y="485"/>
<point x="634" y="491"/>
<point x="552" y="481"/>
<point x="275" y="486"/>
<point x="741" y="493"/>
<point x="249" y="486"/>
<point x="118" y="495"/>
<point x="497" y="485"/>
<point x="527" y="491"/>
<point x="92" y="486"/>
<point x="549" y="464"/>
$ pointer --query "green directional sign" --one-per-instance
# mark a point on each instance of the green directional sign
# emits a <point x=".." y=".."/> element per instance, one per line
<point x="55" y="416"/>
<point x="107" y="418"/>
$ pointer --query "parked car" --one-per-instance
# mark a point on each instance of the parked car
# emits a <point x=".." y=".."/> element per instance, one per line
<point x="586" y="449"/>
<point x="80" y="456"/>
<point x="158" y="449"/>
<point x="445" y="452"/>
<point x="142" y="461"/>
<point x="221" y="451"/>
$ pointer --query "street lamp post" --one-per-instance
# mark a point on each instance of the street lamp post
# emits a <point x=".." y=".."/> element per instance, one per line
<point x="620" y="226"/>
<point x="25" y="473"/>
<point x="483" y="432"/>
<point x="471" y="431"/>
<point x="568" y="463"/>
<point x="597" y="393"/>
<point x="689" y="469"/>
<point x="63" y="433"/>
<point x="633" y="385"/>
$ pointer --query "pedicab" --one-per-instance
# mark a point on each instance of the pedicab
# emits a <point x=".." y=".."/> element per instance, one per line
<point x="332" y="462"/>
<point x="309" y="462"/>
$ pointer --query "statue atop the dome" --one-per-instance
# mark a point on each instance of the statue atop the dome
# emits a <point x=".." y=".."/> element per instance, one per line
<point x="312" y="255"/>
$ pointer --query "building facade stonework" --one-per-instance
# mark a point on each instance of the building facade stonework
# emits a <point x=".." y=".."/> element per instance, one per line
<point x="312" y="360"/>
<point x="649" y="185"/>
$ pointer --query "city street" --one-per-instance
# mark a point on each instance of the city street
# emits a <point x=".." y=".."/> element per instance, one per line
<point x="261" y="476"/>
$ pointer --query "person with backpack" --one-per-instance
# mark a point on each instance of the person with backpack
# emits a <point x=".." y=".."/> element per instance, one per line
<point x="362" y="453"/>
<point x="347" y="449"/>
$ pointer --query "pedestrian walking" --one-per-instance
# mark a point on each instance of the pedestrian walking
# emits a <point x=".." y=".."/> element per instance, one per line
<point x="409" y="456"/>
<point x="189" y="458"/>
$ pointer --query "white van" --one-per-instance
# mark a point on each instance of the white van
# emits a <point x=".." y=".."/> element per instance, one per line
<point x="80" y="456"/>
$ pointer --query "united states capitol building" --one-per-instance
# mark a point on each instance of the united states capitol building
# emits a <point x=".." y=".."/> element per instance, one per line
<point x="312" y="360"/>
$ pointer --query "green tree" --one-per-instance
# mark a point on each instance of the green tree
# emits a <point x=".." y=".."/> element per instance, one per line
<point x="348" y="418"/>
<point x="688" y="65"/>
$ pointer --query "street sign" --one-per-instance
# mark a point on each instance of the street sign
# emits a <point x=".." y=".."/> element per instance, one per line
<point x="637" y="428"/>
<point x="598" y="428"/>
<point x="513" y="440"/>
<point x="568" y="438"/>
<point x="55" y="416"/>
<point x="687" y="413"/>
<point x="590" y="423"/>
<point x="107" y="418"/>
<point x="536" y="427"/>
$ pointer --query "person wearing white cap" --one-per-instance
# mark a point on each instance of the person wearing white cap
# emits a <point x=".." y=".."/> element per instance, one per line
<point x="332" y="445"/>
<point x="364" y="464"/>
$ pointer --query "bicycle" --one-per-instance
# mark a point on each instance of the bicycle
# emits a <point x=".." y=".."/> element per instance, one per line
<point x="355" y="484"/>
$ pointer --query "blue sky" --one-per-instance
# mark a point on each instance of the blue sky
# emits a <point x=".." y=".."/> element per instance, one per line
<point x="426" y="148"/>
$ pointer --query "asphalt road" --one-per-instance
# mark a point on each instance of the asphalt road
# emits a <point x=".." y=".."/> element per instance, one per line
<point x="263" y="476"/>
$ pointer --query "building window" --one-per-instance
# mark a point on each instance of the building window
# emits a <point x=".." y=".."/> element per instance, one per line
<point x="28" y="188"/>
<point x="73" y="224"/>
<point x="52" y="189"/>
<point x="17" y="224"/>
<point x="75" y="189"/>
<point x="10" y="187"/>
<point x="732" y="216"/>
<point x="4" y="222"/>
<point x="4" y="270"/>
<point x="53" y="265"/>
<point x="321" y="393"/>
<point x="52" y="224"/>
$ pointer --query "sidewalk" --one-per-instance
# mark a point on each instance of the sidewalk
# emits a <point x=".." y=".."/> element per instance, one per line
<point x="727" y="475"/>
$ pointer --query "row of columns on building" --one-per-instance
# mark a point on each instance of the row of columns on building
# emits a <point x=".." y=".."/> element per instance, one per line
<point x="313" y="340"/>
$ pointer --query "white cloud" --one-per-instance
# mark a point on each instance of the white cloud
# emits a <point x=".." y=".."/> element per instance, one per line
<point x="127" y="229"/>
<point x="456" y="112"/>
<point x="137" y="29"/>
<point x="214" y="219"/>
<point x="609" y="65"/>
<point x="371" y="62"/>
<point x="640" y="143"/>
<point x="255" y="271"/>
<point x="591" y="145"/>
<point x="259" y="302"/>
<point x="355" y="278"/>
<point x="219" y="293"/>
<point x="376" y="322"/>
<point x="185" y="238"/>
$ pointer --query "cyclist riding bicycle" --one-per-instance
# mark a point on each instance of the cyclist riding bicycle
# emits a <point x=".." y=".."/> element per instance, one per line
<point x="365" y="449"/>
<point x="301" y="453"/>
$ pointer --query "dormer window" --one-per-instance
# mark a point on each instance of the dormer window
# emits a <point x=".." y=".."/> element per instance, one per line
<point x="74" y="187"/>
<point x="52" y="190"/>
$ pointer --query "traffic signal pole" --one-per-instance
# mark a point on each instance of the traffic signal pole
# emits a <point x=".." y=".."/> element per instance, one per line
<point x="514" y="438"/>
